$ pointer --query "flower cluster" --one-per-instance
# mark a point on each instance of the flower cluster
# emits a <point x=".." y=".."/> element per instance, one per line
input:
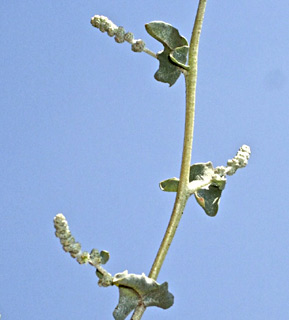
<point x="74" y="248"/>
<point x="94" y="258"/>
<point x="119" y="34"/>
<point x="67" y="240"/>
<point x="239" y="161"/>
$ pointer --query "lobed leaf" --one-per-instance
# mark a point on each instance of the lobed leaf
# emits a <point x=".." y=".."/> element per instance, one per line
<point x="139" y="289"/>
<point x="174" y="55"/>
<point x="166" y="34"/>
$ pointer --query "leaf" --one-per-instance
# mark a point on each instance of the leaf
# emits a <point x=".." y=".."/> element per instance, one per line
<point x="166" y="34"/>
<point x="209" y="196"/>
<point x="198" y="172"/>
<point x="179" y="56"/>
<point x="104" y="255"/>
<point x="206" y="182"/>
<point x="169" y="185"/>
<point x="139" y="289"/>
<point x="167" y="72"/>
<point x="201" y="171"/>
<point x="174" y="55"/>
<point x="209" y="199"/>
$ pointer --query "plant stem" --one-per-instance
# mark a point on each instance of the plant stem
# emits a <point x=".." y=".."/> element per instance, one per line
<point x="183" y="192"/>
<point x="139" y="311"/>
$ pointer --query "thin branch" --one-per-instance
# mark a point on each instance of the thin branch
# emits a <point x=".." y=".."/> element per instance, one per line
<point x="149" y="52"/>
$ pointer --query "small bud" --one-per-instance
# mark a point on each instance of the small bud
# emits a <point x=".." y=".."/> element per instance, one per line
<point x="119" y="36"/>
<point x="104" y="25"/>
<point x="95" y="21"/>
<point x="128" y="37"/>
<point x="138" y="46"/>
<point x="105" y="278"/>
<point x="95" y="258"/>
<point x="83" y="258"/>
<point x="67" y="241"/>
<point x="73" y="248"/>
<point x="221" y="170"/>
<point x="94" y="254"/>
<point x="111" y="31"/>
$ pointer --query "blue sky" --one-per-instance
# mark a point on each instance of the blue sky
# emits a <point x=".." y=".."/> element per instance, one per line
<point x="86" y="130"/>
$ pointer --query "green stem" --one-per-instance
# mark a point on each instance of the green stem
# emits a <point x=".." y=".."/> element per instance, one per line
<point x="183" y="194"/>
<point x="183" y="189"/>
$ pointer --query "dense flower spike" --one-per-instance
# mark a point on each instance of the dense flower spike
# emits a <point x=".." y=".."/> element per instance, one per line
<point x="239" y="161"/>
<point x="94" y="258"/>
<point x="119" y="34"/>
<point x="63" y="233"/>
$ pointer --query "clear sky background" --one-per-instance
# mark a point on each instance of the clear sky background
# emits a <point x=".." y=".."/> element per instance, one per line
<point x="86" y="130"/>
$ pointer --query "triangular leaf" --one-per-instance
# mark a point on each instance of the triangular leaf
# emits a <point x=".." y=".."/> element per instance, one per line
<point x="139" y="289"/>
<point x="170" y="185"/>
<point x="209" y="199"/>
